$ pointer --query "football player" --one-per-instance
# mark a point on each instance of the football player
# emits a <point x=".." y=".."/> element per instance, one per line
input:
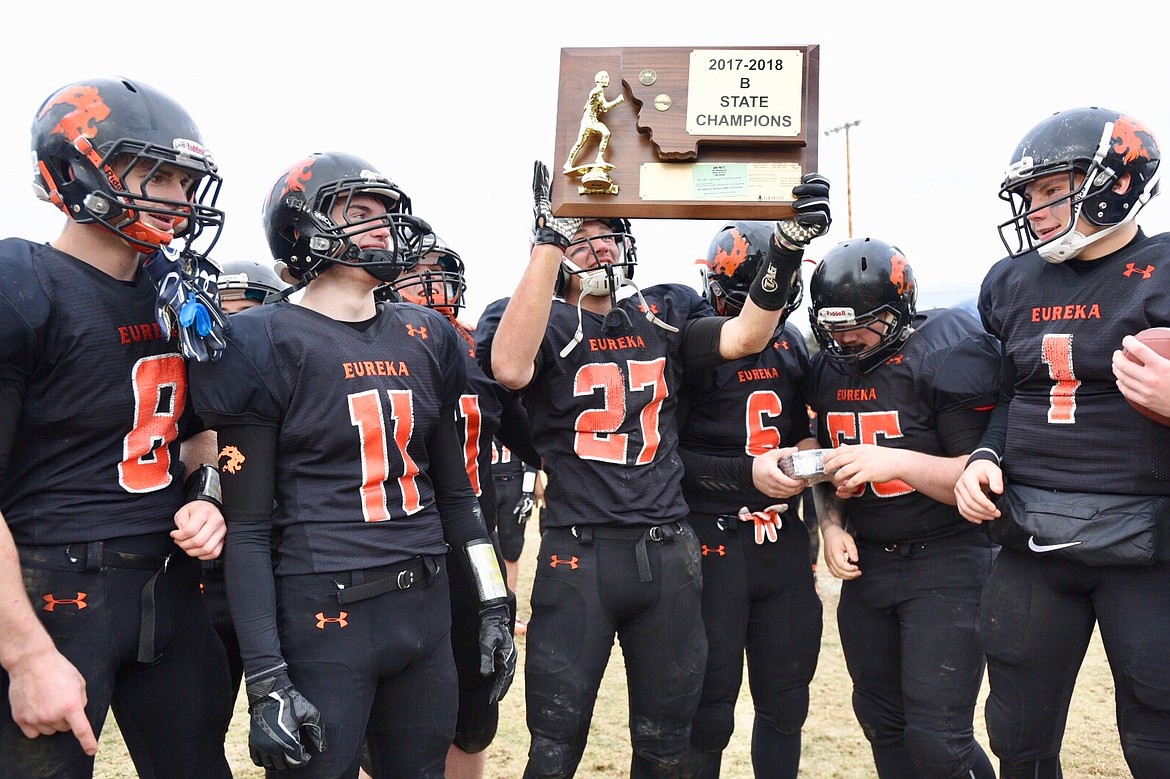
<point x="106" y="508"/>
<point x="246" y="284"/>
<point x="758" y="596"/>
<point x="342" y="410"/>
<point x="243" y="284"/>
<point x="600" y="377"/>
<point x="902" y="398"/>
<point x="485" y="410"/>
<point x="1071" y="480"/>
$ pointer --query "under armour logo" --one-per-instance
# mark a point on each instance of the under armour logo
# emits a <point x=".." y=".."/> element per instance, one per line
<point x="1146" y="271"/>
<point x="895" y="360"/>
<point x="653" y="308"/>
<point x="52" y="602"/>
<point x="411" y="330"/>
<point x="720" y="550"/>
<point x="781" y="345"/>
<point x="340" y="619"/>
<point x="571" y="562"/>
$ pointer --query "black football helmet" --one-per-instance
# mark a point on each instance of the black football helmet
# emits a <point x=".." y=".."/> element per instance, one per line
<point x="441" y="289"/>
<point x="301" y="231"/>
<point x="733" y="260"/>
<point x="88" y="135"/>
<point x="862" y="283"/>
<point x="606" y="277"/>
<point x="1099" y="144"/>
<point x="248" y="279"/>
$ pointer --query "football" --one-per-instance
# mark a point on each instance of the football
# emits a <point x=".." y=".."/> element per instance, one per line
<point x="1158" y="339"/>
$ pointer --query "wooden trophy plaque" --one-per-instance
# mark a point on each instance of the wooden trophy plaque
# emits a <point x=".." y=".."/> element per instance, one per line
<point x="684" y="133"/>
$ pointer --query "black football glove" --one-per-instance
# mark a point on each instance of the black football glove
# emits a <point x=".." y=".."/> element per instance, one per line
<point x="497" y="651"/>
<point x="546" y="228"/>
<point x="281" y="718"/>
<point x="812" y="217"/>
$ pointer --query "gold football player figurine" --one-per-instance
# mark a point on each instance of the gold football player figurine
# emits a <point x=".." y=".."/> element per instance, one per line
<point x="595" y="178"/>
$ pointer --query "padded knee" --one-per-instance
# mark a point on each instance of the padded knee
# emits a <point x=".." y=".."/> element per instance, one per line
<point x="548" y="759"/>
<point x="712" y="728"/>
<point x="476" y="739"/>
<point x="937" y="756"/>
<point x="787" y="714"/>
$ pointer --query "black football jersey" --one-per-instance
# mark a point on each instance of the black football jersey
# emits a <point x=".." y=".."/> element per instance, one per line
<point x="747" y="407"/>
<point x="479" y="412"/>
<point x="355" y="409"/>
<point x="1069" y="427"/>
<point x="948" y="363"/>
<point x="604" y="417"/>
<point x="96" y="451"/>
<point x="504" y="462"/>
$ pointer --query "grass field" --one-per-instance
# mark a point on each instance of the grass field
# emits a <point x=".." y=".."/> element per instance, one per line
<point x="833" y="745"/>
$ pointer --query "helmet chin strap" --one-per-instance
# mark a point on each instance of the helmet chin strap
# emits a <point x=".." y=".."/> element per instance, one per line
<point x="1072" y="243"/>
<point x="615" y="318"/>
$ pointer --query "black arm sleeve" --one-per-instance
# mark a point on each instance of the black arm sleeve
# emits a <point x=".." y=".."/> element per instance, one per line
<point x="515" y="432"/>
<point x="717" y="473"/>
<point x="247" y="508"/>
<point x="701" y="343"/>
<point x="458" y="506"/>
<point x="995" y="436"/>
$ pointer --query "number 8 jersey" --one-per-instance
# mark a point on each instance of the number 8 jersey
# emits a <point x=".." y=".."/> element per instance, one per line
<point x="96" y="448"/>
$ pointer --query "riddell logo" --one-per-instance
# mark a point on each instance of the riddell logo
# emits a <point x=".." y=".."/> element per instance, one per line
<point x="571" y="562"/>
<point x="52" y="602"/>
<point x="720" y="550"/>
<point x="341" y="620"/>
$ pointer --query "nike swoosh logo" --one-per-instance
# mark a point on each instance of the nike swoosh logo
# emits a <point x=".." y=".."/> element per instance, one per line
<point x="1048" y="547"/>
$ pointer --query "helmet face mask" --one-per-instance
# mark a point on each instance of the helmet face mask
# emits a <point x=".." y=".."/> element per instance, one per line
<point x="600" y="276"/>
<point x="437" y="281"/>
<point x="314" y="216"/>
<point x="862" y="284"/>
<point x="733" y="261"/>
<point x="92" y="140"/>
<point x="1112" y="163"/>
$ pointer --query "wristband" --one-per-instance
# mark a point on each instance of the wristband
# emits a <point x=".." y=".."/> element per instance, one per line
<point x="485" y="570"/>
<point x="982" y="453"/>
<point x="774" y="280"/>
<point x="204" y="484"/>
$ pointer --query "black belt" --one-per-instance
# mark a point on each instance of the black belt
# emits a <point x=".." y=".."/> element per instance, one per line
<point x="353" y="586"/>
<point x="640" y="535"/>
<point x="728" y="523"/>
<point x="93" y="556"/>
<point x="900" y="548"/>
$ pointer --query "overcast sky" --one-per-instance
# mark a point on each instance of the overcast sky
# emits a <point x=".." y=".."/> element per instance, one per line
<point x="455" y="100"/>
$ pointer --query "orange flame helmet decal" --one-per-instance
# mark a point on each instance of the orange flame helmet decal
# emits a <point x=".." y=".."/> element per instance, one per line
<point x="1132" y="141"/>
<point x="900" y="276"/>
